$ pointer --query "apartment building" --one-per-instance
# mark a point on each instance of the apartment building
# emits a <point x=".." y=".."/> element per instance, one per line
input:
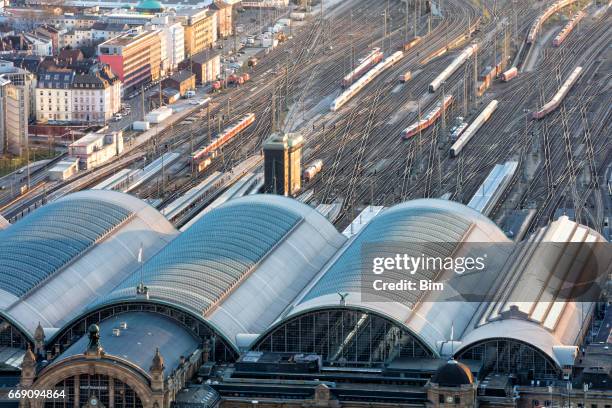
<point x="102" y="31"/>
<point x="136" y="58"/>
<point x="72" y="22"/>
<point x="224" y="11"/>
<point x="75" y="96"/>
<point x="77" y="38"/>
<point x="200" y="29"/>
<point x="173" y="39"/>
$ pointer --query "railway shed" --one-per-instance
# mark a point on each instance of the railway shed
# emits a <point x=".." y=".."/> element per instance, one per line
<point x="268" y="274"/>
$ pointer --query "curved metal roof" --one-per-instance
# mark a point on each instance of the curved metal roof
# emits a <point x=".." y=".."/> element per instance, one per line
<point x="427" y="227"/>
<point x="57" y="259"/>
<point x="4" y="223"/>
<point x="42" y="243"/>
<point x="239" y="265"/>
<point x="529" y="305"/>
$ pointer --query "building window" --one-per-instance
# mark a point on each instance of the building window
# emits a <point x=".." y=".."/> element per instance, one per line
<point x="441" y="398"/>
<point x="457" y="399"/>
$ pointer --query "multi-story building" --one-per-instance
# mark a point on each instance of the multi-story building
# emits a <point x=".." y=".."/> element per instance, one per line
<point x="52" y="33"/>
<point x="128" y="17"/>
<point x="135" y="58"/>
<point x="96" y="96"/>
<point x="41" y="46"/>
<point x="53" y="95"/>
<point x="225" y="17"/>
<point x="69" y="95"/>
<point x="200" y="29"/>
<point x="77" y="38"/>
<point x="102" y="31"/>
<point x="16" y="87"/>
<point x="173" y="39"/>
<point x="72" y="21"/>
<point x="206" y="66"/>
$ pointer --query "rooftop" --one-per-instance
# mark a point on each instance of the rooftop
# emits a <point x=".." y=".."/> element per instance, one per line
<point x="137" y="343"/>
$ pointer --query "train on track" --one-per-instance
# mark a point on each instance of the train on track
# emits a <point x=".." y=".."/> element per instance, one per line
<point x="537" y="24"/>
<point x="561" y="93"/>
<point x="312" y="170"/>
<point x="488" y="75"/>
<point x="509" y="75"/>
<point x="364" y="64"/>
<point x="429" y="119"/>
<point x="365" y="80"/>
<point x="568" y="28"/>
<point x="473" y="128"/>
<point x="457" y="130"/>
<point x="411" y="43"/>
<point x="405" y="77"/>
<point x="452" y="67"/>
<point x="206" y="153"/>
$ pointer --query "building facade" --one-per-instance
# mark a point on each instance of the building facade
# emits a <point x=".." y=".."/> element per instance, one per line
<point x="225" y="16"/>
<point x="200" y="30"/>
<point x="16" y="97"/>
<point x="136" y="59"/>
<point x="206" y="66"/>
<point x="173" y="41"/>
<point x="76" y="38"/>
<point x="282" y="164"/>
<point x="66" y="95"/>
<point x="41" y="46"/>
<point x="182" y="81"/>
<point x="94" y="149"/>
<point x="102" y="31"/>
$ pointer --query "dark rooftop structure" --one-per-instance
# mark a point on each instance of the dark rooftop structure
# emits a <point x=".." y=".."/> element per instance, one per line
<point x="453" y="374"/>
<point x="139" y="341"/>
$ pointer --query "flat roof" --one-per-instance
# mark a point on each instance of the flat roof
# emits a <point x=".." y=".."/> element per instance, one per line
<point x="65" y="164"/>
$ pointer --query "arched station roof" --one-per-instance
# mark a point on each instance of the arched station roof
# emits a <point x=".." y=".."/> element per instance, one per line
<point x="428" y="227"/>
<point x="56" y="260"/>
<point x="532" y="304"/>
<point x="240" y="265"/>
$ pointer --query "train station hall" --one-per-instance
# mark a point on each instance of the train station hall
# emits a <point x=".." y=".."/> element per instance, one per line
<point x="261" y="302"/>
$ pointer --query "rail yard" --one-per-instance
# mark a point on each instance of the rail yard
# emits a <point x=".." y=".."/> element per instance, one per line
<point x="375" y="89"/>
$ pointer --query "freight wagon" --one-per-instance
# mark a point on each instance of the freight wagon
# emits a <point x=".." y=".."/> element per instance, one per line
<point x="429" y="119"/>
<point x="509" y="74"/>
